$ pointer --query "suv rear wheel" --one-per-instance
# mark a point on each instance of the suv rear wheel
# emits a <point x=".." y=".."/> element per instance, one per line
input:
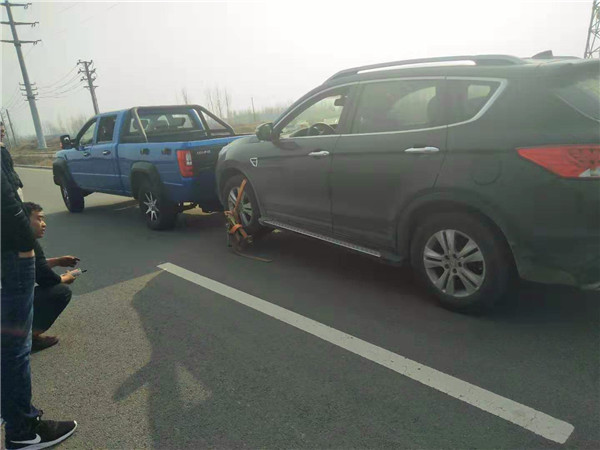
<point x="159" y="213"/>
<point x="462" y="260"/>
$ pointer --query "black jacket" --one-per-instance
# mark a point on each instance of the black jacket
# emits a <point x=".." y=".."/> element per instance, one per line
<point x="44" y="275"/>
<point x="17" y="235"/>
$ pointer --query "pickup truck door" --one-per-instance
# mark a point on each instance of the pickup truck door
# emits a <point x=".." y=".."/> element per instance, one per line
<point x="103" y="169"/>
<point x="79" y="160"/>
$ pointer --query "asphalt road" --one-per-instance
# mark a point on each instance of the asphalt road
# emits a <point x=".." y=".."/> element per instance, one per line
<point x="148" y="359"/>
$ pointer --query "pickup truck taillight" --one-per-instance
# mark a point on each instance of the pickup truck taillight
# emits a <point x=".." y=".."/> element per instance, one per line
<point x="184" y="158"/>
<point x="568" y="161"/>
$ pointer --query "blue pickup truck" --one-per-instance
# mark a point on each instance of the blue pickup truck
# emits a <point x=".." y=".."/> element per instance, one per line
<point x="163" y="156"/>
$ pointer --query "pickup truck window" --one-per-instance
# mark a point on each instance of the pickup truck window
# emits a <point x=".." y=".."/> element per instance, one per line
<point x="106" y="129"/>
<point x="163" y="127"/>
<point x="87" y="137"/>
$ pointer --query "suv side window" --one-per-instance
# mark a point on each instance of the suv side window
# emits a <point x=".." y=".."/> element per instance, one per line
<point x="318" y="117"/>
<point x="467" y="97"/>
<point x="106" y="129"/>
<point x="87" y="134"/>
<point x="399" y="105"/>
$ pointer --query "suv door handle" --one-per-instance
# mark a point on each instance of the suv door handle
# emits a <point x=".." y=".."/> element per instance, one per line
<point x="145" y="151"/>
<point x="106" y="152"/>
<point x="422" y="150"/>
<point x="166" y="151"/>
<point x="319" y="153"/>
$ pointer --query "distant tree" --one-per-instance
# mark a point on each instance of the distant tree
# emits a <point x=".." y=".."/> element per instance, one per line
<point x="184" y="96"/>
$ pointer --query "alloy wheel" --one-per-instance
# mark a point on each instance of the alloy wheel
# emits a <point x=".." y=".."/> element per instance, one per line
<point x="454" y="263"/>
<point x="245" y="208"/>
<point x="151" y="202"/>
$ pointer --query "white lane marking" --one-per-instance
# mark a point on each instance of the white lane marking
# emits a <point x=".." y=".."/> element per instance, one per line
<point x="536" y="421"/>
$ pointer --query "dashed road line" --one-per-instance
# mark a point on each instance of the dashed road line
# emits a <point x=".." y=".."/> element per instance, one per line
<point x="535" y="421"/>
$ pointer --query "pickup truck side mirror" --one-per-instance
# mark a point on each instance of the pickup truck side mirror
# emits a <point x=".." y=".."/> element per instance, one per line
<point x="65" y="142"/>
<point x="265" y="132"/>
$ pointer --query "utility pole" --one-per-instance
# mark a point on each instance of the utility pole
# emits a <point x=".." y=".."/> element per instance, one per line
<point x="12" y="131"/>
<point x="592" y="48"/>
<point x="90" y="80"/>
<point x="30" y="95"/>
<point x="253" y="112"/>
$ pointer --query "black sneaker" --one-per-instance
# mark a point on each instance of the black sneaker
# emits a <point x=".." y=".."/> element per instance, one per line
<point x="45" y="433"/>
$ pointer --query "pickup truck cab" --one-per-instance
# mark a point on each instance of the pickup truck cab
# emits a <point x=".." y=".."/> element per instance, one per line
<point x="163" y="156"/>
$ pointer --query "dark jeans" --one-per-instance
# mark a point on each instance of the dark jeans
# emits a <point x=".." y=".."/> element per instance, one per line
<point x="48" y="303"/>
<point x="18" y="279"/>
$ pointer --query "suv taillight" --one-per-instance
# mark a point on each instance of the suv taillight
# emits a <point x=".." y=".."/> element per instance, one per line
<point x="568" y="161"/>
<point x="184" y="158"/>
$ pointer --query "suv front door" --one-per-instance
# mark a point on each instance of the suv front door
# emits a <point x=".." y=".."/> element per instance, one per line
<point x="293" y="184"/>
<point x="394" y="152"/>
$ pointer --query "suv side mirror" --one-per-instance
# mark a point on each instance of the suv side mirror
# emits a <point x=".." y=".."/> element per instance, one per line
<point x="65" y="142"/>
<point x="265" y="132"/>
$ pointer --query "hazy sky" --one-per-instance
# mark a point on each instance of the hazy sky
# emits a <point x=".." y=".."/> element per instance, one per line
<point x="146" y="52"/>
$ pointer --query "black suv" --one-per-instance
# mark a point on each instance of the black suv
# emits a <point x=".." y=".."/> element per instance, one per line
<point x="474" y="169"/>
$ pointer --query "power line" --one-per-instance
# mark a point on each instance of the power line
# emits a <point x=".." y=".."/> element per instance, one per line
<point x="68" y="8"/>
<point x="72" y="91"/>
<point x="73" y="81"/>
<point x="60" y="79"/>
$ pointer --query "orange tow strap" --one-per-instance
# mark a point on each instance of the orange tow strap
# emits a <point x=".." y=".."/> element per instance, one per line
<point x="235" y="230"/>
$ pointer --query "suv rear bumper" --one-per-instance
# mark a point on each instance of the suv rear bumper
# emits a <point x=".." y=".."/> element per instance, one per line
<point x="567" y="261"/>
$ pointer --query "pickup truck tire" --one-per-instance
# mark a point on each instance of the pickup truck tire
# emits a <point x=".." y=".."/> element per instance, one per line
<point x="72" y="195"/>
<point x="249" y="212"/>
<point x="463" y="261"/>
<point x="158" y="212"/>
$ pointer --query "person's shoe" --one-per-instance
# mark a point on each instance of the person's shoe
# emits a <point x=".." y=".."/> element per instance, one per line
<point x="45" y="433"/>
<point x="41" y="342"/>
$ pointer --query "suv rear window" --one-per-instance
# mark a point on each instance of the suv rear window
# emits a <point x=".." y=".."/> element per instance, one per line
<point x="398" y="105"/>
<point x="583" y="95"/>
<point x="467" y="97"/>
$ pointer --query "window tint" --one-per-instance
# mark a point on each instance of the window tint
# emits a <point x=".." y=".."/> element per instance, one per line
<point x="88" y="135"/>
<point x="583" y="95"/>
<point x="319" y="117"/>
<point x="467" y="97"/>
<point x="106" y="128"/>
<point x="399" y="105"/>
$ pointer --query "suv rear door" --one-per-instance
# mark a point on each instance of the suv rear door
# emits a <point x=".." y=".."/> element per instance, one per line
<point x="394" y="152"/>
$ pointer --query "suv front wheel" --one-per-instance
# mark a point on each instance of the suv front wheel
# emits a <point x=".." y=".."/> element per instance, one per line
<point x="248" y="208"/>
<point x="462" y="260"/>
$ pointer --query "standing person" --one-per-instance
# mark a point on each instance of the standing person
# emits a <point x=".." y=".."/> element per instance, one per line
<point x="52" y="293"/>
<point x="24" y="427"/>
<point x="13" y="178"/>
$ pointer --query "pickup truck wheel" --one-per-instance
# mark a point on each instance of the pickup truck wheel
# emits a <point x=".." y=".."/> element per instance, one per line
<point x="248" y="209"/>
<point x="72" y="196"/>
<point x="462" y="260"/>
<point x="158" y="212"/>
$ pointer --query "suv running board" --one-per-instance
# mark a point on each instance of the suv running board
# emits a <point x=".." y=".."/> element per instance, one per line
<point x="322" y="237"/>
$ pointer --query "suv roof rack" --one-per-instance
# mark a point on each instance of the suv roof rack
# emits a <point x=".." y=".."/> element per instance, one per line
<point x="485" y="60"/>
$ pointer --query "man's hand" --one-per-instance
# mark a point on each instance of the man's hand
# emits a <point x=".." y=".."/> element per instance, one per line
<point x="67" y="278"/>
<point x="67" y="261"/>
